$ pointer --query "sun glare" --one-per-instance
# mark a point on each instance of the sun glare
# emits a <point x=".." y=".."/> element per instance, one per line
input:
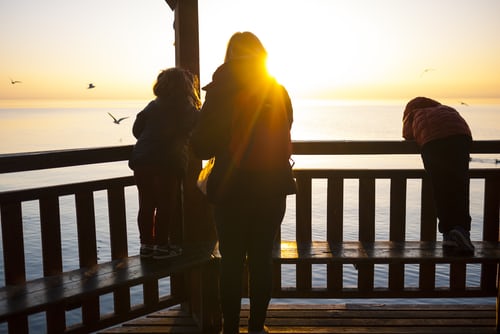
<point x="318" y="48"/>
<point x="335" y="50"/>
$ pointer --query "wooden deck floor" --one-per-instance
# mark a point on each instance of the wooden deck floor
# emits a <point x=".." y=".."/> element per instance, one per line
<point x="345" y="318"/>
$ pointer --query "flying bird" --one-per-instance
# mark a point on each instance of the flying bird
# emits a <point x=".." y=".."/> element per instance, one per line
<point x="426" y="70"/>
<point x="15" y="81"/>
<point x="91" y="85"/>
<point x="115" y="120"/>
<point x="463" y="103"/>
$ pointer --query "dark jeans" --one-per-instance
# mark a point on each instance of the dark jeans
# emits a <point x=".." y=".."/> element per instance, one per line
<point x="446" y="161"/>
<point x="247" y="230"/>
<point x="158" y="204"/>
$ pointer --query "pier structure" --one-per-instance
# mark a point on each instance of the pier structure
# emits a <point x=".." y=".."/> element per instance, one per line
<point x="192" y="281"/>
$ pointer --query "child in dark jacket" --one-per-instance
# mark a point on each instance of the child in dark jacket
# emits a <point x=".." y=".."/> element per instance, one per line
<point x="160" y="156"/>
<point x="444" y="138"/>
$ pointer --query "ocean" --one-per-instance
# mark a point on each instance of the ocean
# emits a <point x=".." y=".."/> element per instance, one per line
<point x="57" y="125"/>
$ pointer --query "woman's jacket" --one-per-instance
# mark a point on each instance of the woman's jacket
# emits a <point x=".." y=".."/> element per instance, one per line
<point x="215" y="133"/>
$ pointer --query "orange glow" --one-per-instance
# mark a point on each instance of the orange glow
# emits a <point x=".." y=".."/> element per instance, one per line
<point x="319" y="48"/>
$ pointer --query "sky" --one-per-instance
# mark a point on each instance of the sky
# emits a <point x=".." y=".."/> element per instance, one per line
<point x="336" y="49"/>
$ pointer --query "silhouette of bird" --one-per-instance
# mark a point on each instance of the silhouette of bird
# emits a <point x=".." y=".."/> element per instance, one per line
<point x="15" y="81"/>
<point x="91" y="85"/>
<point x="115" y="120"/>
<point x="463" y="103"/>
<point x="426" y="70"/>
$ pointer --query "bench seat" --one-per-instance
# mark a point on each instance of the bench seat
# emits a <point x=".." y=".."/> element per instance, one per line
<point x="381" y="252"/>
<point x="73" y="286"/>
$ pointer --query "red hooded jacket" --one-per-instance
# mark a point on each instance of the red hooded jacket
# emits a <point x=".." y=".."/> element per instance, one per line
<point x="427" y="124"/>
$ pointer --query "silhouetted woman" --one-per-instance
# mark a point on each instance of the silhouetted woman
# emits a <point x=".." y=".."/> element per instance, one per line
<point x="245" y="123"/>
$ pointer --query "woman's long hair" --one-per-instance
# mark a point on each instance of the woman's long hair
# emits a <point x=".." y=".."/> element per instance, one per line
<point x="245" y="45"/>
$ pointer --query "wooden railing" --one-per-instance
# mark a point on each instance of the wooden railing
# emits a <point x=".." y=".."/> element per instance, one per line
<point x="82" y="288"/>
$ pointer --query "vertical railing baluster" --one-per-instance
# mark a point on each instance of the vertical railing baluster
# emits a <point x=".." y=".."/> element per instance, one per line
<point x="117" y="223"/>
<point x="335" y="209"/>
<point x="87" y="248"/>
<point x="366" y="229"/>
<point x="13" y="243"/>
<point x="427" y="274"/>
<point x="13" y="255"/>
<point x="50" y="221"/>
<point x="304" y="227"/>
<point x="335" y="228"/>
<point x="397" y="228"/>
<point x="119" y="245"/>
<point x="490" y="226"/>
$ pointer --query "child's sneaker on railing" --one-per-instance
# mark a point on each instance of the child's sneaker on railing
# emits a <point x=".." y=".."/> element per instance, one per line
<point x="147" y="251"/>
<point x="166" y="252"/>
<point x="447" y="241"/>
<point x="461" y="238"/>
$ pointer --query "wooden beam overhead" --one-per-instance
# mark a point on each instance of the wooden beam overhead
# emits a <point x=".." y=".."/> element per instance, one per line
<point x="171" y="3"/>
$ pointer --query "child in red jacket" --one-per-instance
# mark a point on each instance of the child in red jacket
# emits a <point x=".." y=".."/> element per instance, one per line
<point x="444" y="139"/>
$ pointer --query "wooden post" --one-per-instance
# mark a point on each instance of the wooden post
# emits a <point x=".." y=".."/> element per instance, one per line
<point x="198" y="224"/>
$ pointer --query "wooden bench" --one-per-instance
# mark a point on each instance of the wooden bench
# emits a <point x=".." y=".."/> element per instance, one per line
<point x="441" y="273"/>
<point x="363" y="256"/>
<point x="75" y="288"/>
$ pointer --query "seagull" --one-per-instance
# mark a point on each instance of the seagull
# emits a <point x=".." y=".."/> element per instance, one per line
<point x="426" y="70"/>
<point x="91" y="85"/>
<point x="116" y="121"/>
<point x="15" y="81"/>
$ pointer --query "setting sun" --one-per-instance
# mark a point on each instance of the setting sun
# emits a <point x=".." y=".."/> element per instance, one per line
<point x="365" y="49"/>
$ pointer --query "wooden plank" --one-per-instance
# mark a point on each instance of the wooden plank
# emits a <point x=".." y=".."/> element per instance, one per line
<point x="339" y="318"/>
<point x="119" y="244"/>
<point x="19" y="162"/>
<point x="303" y="209"/>
<point x="366" y="209"/>
<point x="382" y="252"/>
<point x="303" y="229"/>
<point x="397" y="210"/>
<point x="397" y="228"/>
<point x="85" y="221"/>
<point x="334" y="278"/>
<point x="457" y="276"/>
<point x="50" y="222"/>
<point x="13" y="246"/>
<point x="73" y="157"/>
<point x="377" y="147"/>
<point x="117" y="222"/>
<point x="366" y="271"/>
<point x="335" y="209"/>
<point x="428" y="221"/>
<point x="72" y="286"/>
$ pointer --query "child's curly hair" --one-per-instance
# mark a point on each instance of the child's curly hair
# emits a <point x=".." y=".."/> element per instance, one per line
<point x="176" y="85"/>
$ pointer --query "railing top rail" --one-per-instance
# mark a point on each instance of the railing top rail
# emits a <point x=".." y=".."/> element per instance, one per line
<point x="379" y="147"/>
<point x="20" y="162"/>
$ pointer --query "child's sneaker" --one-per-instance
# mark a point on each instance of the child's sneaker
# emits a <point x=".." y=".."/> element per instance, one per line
<point x="166" y="251"/>
<point x="447" y="241"/>
<point x="147" y="251"/>
<point x="462" y="239"/>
